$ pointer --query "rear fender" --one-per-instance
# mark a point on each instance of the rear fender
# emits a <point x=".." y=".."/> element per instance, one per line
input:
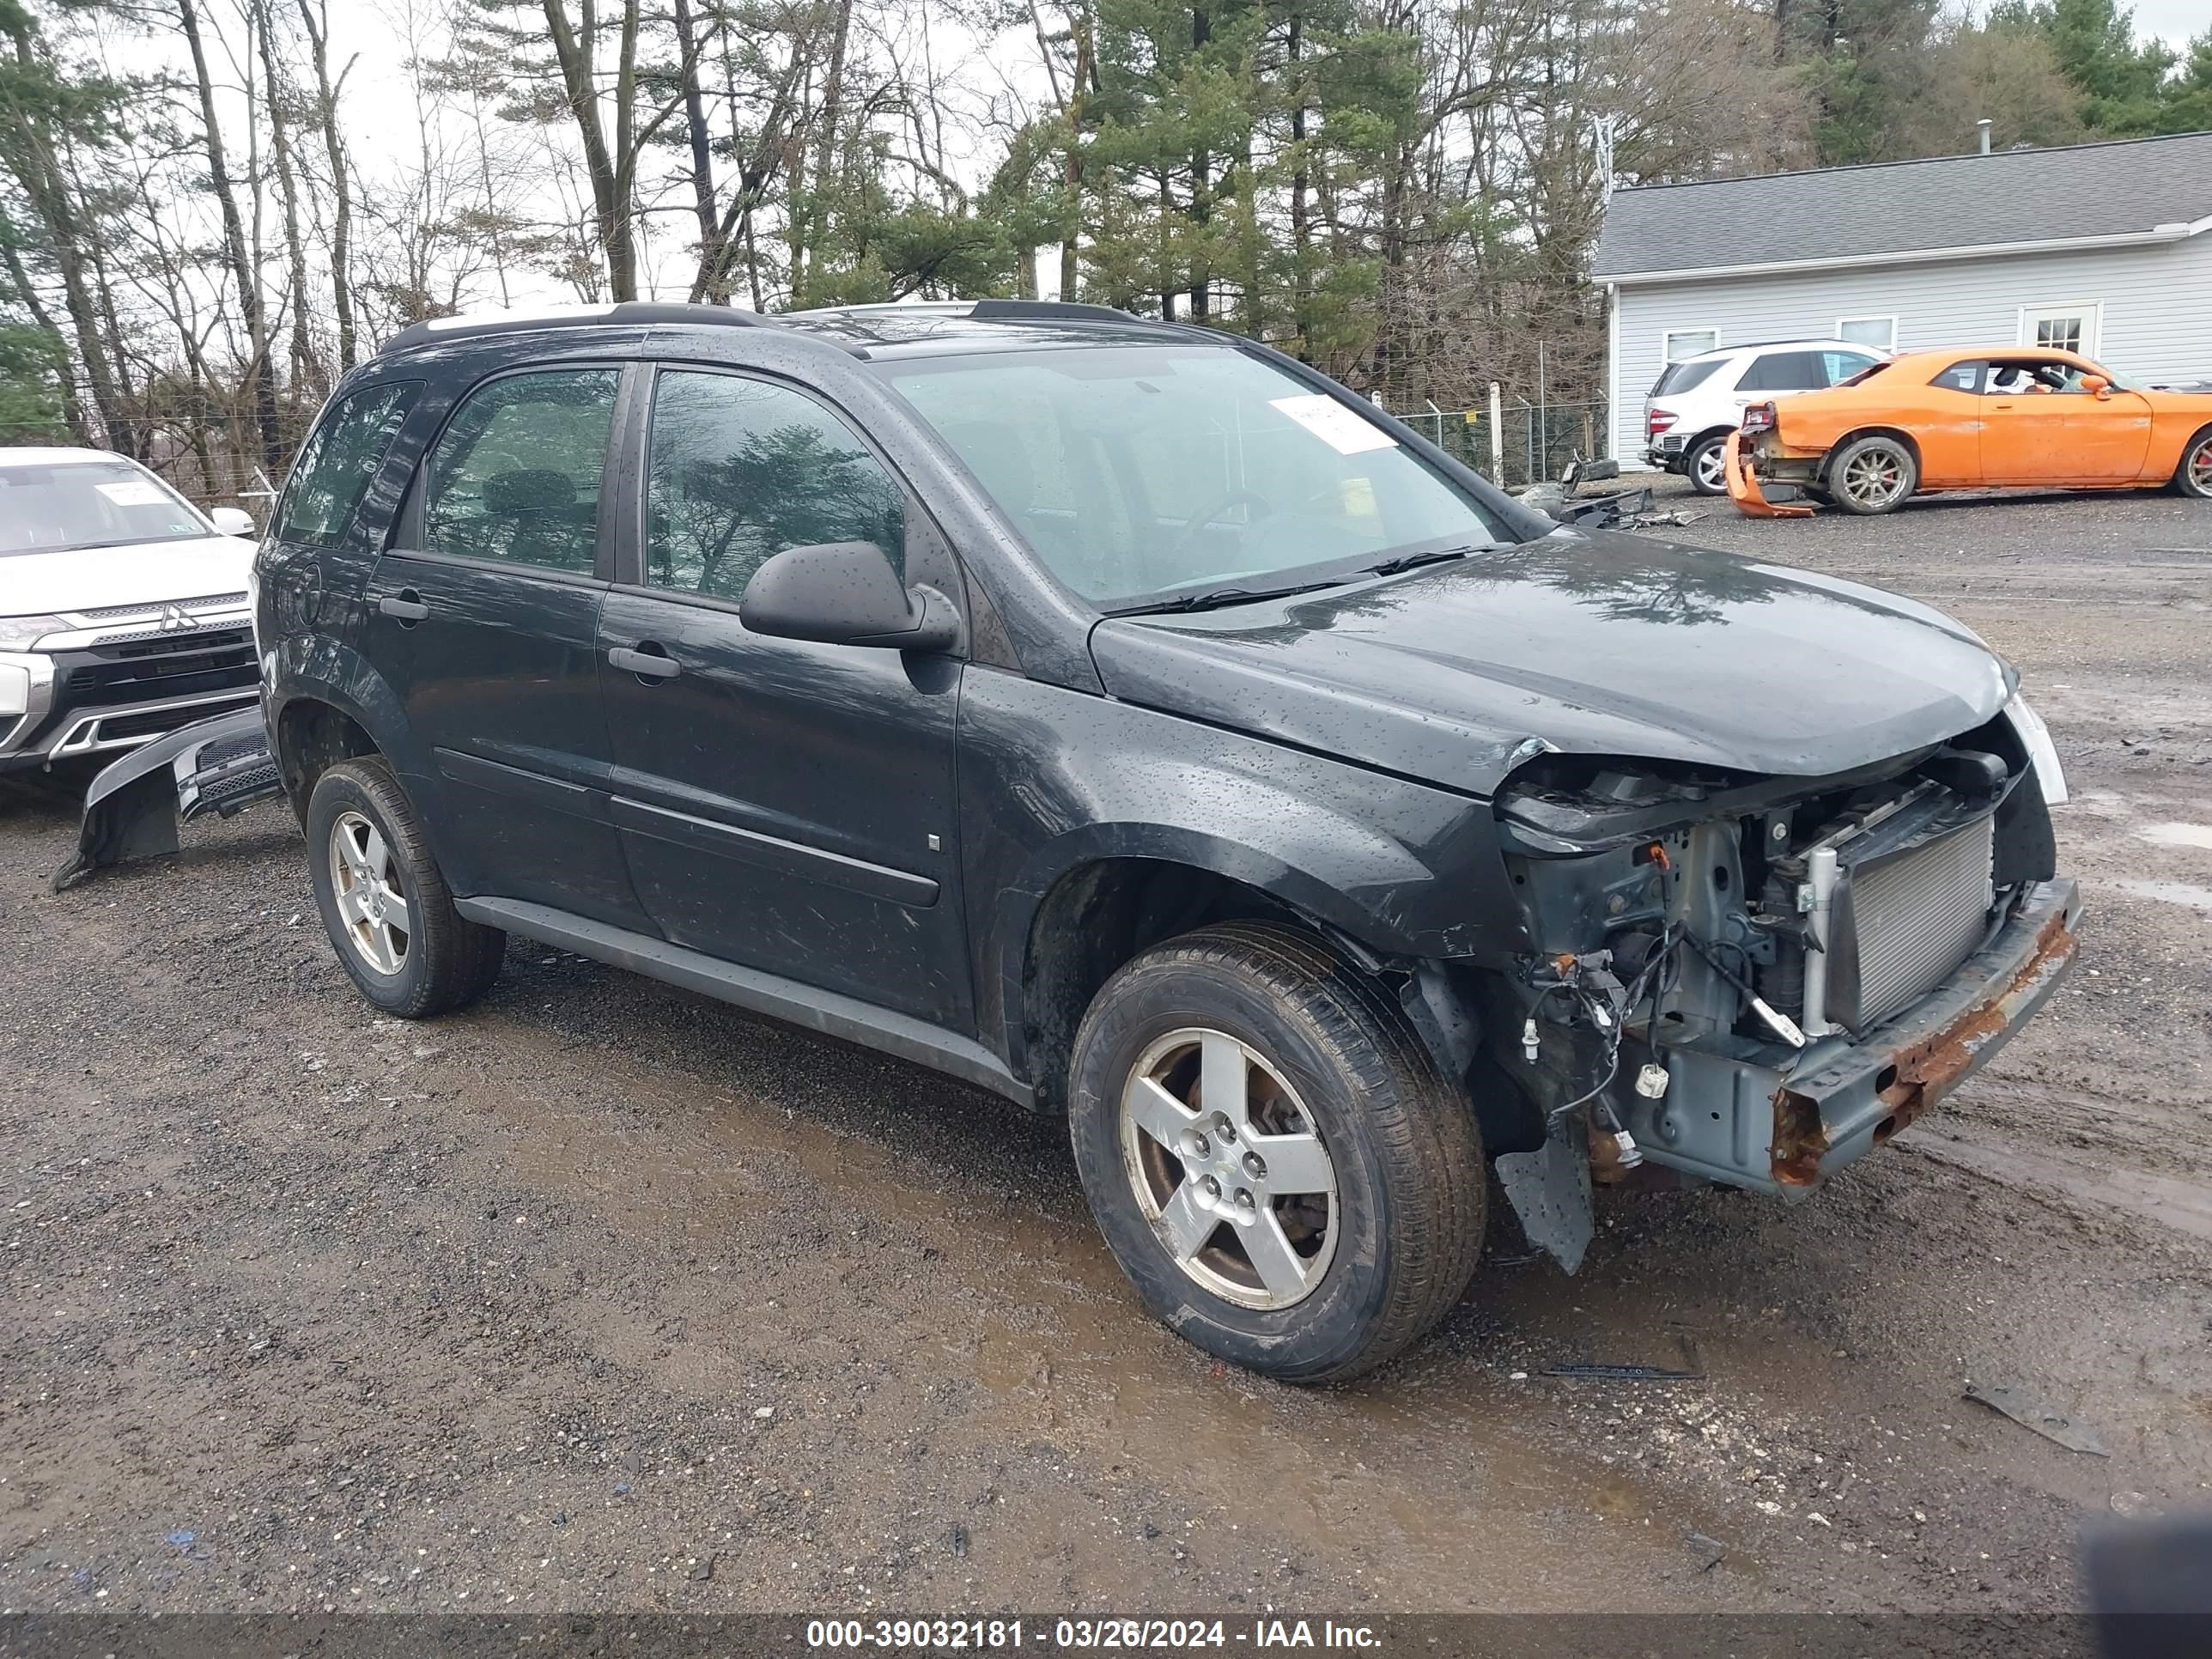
<point x="319" y="670"/>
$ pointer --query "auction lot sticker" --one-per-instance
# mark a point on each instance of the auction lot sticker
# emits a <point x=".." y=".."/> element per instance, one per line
<point x="1333" y="424"/>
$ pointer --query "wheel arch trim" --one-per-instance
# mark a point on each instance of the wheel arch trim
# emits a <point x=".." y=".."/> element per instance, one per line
<point x="1379" y="923"/>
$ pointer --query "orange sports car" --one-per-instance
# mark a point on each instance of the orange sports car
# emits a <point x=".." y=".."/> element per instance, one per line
<point x="1970" y="418"/>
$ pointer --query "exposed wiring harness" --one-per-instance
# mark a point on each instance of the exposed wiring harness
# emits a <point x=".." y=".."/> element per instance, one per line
<point x="1609" y="1005"/>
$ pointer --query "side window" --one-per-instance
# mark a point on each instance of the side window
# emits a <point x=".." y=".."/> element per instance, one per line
<point x="334" y="468"/>
<point x="1836" y="366"/>
<point x="2019" y="378"/>
<point x="1784" y="371"/>
<point x="516" y="473"/>
<point x="1961" y="377"/>
<point x="739" y="469"/>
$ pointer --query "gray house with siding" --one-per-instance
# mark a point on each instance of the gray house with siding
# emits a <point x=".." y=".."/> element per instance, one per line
<point x="2105" y="249"/>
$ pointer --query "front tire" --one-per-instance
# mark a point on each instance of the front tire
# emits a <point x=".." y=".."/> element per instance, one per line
<point x="1706" y="466"/>
<point x="388" y="909"/>
<point x="1873" y="475"/>
<point x="2194" y="475"/>
<point x="1271" y="1154"/>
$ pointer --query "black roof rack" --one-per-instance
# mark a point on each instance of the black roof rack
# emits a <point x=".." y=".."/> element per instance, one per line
<point x="1049" y="311"/>
<point x="470" y="325"/>
<point x="974" y="310"/>
<point x="639" y="313"/>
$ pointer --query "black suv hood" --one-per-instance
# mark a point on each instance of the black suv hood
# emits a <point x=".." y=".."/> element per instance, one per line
<point x="1590" y="642"/>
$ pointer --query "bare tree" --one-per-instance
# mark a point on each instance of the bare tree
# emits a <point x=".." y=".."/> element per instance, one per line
<point x="314" y="18"/>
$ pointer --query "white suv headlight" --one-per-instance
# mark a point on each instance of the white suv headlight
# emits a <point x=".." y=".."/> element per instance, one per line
<point x="21" y="633"/>
<point x="2035" y="737"/>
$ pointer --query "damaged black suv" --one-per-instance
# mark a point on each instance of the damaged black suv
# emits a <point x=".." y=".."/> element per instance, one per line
<point x="1127" y="719"/>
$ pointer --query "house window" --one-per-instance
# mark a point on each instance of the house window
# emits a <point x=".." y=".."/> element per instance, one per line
<point x="1682" y="343"/>
<point x="2072" y="327"/>
<point x="1880" y="332"/>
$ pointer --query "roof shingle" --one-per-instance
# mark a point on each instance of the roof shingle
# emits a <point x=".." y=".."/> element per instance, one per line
<point x="1909" y="208"/>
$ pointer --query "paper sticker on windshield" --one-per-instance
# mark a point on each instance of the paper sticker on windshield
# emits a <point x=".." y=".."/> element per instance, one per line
<point x="1333" y="424"/>
<point x="134" y="492"/>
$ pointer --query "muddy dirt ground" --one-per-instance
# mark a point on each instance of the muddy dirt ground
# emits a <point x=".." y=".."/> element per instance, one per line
<point x="605" y="1295"/>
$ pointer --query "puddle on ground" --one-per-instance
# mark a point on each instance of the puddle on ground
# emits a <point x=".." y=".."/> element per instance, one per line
<point x="1029" y="1305"/>
<point x="2186" y="894"/>
<point x="2184" y="1206"/>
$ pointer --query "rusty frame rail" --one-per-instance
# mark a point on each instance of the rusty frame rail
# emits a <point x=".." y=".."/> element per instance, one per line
<point x="1921" y="1072"/>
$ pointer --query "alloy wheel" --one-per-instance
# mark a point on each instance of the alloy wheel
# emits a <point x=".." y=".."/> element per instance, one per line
<point x="1711" y="464"/>
<point x="1229" y="1167"/>
<point x="1874" y="477"/>
<point x="371" y="902"/>
<point x="2198" y="467"/>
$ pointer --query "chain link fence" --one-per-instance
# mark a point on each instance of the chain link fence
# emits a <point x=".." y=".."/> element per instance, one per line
<point x="1532" y="442"/>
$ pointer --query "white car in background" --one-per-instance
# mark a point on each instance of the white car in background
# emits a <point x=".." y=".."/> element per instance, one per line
<point x="123" y="611"/>
<point x="1699" y="401"/>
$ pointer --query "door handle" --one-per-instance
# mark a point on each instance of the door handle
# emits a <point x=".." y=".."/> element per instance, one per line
<point x="653" y="664"/>
<point x="406" y="604"/>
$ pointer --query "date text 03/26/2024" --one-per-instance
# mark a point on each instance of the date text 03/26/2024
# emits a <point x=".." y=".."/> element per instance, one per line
<point x="1086" y="1635"/>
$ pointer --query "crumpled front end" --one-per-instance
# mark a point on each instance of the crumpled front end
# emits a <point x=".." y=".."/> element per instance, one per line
<point x="1757" y="980"/>
<point x="1740" y="466"/>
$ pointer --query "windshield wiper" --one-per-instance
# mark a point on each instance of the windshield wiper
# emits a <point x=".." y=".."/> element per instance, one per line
<point x="126" y="541"/>
<point x="1435" y="556"/>
<point x="1214" y="598"/>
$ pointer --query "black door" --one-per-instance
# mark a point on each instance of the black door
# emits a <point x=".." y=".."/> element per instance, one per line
<point x="484" y="619"/>
<point x="785" y="805"/>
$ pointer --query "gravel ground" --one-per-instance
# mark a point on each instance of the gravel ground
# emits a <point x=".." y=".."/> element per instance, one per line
<point x="602" y="1296"/>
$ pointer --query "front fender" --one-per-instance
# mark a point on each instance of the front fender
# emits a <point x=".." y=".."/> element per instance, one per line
<point x="1053" y="780"/>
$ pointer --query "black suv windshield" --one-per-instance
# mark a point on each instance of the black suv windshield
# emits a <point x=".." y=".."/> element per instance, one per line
<point x="88" y="504"/>
<point x="1136" y="470"/>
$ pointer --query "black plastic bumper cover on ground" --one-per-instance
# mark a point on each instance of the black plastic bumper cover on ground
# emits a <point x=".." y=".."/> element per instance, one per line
<point x="134" y="808"/>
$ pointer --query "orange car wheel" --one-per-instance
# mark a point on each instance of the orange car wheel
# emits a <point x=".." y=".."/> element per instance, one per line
<point x="2194" y="475"/>
<point x="1873" y="474"/>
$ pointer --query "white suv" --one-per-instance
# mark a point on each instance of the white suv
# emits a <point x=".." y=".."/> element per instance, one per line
<point x="1700" y="400"/>
<point x="123" y="608"/>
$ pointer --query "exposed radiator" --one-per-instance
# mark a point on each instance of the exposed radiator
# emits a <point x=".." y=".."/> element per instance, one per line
<point x="1905" y="923"/>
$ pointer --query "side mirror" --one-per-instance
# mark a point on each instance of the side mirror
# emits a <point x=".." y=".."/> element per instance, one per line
<point x="2096" y="385"/>
<point x="845" y="594"/>
<point x="233" y="521"/>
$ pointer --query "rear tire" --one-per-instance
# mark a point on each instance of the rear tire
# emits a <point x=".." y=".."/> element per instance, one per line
<point x="1706" y="466"/>
<point x="1346" y="1209"/>
<point x="1873" y="475"/>
<point x="388" y="909"/>
<point x="2194" y="475"/>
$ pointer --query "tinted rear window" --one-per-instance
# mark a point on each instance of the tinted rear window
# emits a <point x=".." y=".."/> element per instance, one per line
<point x="1685" y="377"/>
<point x="332" y="471"/>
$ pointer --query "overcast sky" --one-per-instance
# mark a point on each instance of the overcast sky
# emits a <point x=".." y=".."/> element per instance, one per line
<point x="384" y="138"/>
<point x="2177" y="20"/>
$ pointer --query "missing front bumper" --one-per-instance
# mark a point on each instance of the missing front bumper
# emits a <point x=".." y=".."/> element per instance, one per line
<point x="1745" y="490"/>
<point x="1729" y="1115"/>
